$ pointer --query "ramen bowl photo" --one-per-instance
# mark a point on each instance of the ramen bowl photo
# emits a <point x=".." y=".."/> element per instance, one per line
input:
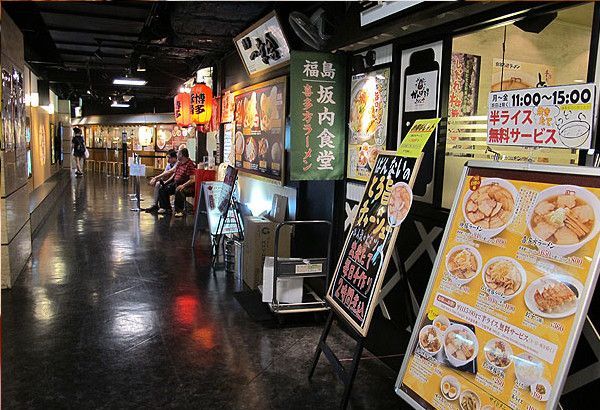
<point x="430" y="340"/>
<point x="491" y="207"/>
<point x="503" y="277"/>
<point x="400" y="202"/>
<point x="498" y="354"/>
<point x="564" y="218"/>
<point x="460" y="345"/>
<point x="463" y="263"/>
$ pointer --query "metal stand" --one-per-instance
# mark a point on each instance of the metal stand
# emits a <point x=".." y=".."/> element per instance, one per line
<point x="345" y="375"/>
<point x="217" y="238"/>
<point x="288" y="268"/>
<point x="136" y="187"/>
<point x="399" y="276"/>
<point x="124" y="150"/>
<point x="590" y="373"/>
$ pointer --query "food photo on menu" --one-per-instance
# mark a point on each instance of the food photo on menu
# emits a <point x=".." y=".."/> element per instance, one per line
<point x="503" y="302"/>
<point x="367" y="122"/>
<point x="259" y="130"/>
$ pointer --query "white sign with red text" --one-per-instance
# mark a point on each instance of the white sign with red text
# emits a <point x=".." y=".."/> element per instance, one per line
<point x="559" y="117"/>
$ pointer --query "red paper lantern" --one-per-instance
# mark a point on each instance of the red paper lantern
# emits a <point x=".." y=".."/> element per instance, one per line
<point x="183" y="115"/>
<point x="202" y="101"/>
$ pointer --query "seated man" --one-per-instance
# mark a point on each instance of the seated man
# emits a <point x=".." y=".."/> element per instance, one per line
<point x="162" y="178"/>
<point x="181" y="185"/>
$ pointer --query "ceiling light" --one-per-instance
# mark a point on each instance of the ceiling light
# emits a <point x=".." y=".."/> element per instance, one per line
<point x="127" y="98"/>
<point x="34" y="99"/>
<point x="129" y="81"/>
<point x="49" y="108"/>
<point x="119" y="105"/>
<point x="141" y="66"/>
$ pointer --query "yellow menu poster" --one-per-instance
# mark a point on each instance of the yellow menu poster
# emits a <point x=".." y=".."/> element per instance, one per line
<point x="509" y="292"/>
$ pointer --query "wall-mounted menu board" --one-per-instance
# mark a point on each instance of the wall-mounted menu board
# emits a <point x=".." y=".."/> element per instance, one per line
<point x="364" y="259"/>
<point x="259" y="138"/>
<point x="509" y="292"/>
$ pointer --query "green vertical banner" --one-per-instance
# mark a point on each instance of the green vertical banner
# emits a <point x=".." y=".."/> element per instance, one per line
<point x="318" y="115"/>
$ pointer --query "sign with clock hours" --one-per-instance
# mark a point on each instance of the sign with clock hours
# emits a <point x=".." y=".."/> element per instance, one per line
<point x="561" y="117"/>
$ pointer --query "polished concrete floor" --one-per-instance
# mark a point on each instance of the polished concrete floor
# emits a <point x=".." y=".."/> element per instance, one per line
<point x="115" y="310"/>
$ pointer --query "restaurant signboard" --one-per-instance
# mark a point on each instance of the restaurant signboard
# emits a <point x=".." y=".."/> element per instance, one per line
<point x="357" y="279"/>
<point x="263" y="47"/>
<point x="558" y="117"/>
<point x="509" y="292"/>
<point x="213" y="192"/>
<point x="260" y="129"/>
<point x="317" y="101"/>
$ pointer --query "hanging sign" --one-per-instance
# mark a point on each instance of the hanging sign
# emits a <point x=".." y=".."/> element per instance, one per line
<point x="201" y="99"/>
<point x="364" y="259"/>
<point x="509" y="292"/>
<point x="413" y="143"/>
<point x="317" y="114"/>
<point x="263" y="46"/>
<point x="369" y="93"/>
<point x="183" y="115"/>
<point x="559" y="117"/>
<point x="227" y="107"/>
<point x="260" y="129"/>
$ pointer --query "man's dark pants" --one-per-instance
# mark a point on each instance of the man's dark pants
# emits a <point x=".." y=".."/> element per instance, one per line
<point x="165" y="192"/>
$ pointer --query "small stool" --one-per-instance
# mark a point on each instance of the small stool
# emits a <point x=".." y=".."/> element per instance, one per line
<point x="90" y="164"/>
<point x="111" y="165"/>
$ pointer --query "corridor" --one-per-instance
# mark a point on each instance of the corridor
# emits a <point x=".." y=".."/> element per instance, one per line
<point x="115" y="310"/>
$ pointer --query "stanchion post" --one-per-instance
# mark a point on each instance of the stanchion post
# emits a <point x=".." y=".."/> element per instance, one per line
<point x="124" y="149"/>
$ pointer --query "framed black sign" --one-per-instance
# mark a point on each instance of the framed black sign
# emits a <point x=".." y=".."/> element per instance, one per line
<point x="364" y="259"/>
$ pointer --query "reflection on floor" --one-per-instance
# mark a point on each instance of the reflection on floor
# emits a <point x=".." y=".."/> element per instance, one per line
<point x="115" y="310"/>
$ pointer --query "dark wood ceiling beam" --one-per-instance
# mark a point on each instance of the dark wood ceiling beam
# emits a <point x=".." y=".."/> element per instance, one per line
<point x="105" y="43"/>
<point x="70" y="13"/>
<point x="89" y="31"/>
<point x="96" y="67"/>
<point x="70" y="52"/>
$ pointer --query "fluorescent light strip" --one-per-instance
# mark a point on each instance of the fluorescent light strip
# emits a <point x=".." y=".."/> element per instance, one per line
<point x="128" y="81"/>
<point x="119" y="105"/>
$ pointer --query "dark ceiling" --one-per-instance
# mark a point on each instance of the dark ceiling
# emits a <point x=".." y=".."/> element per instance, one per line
<point x="80" y="47"/>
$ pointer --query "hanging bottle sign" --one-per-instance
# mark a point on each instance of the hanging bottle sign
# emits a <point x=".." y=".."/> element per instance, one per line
<point x="359" y="274"/>
<point x="558" y="117"/>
